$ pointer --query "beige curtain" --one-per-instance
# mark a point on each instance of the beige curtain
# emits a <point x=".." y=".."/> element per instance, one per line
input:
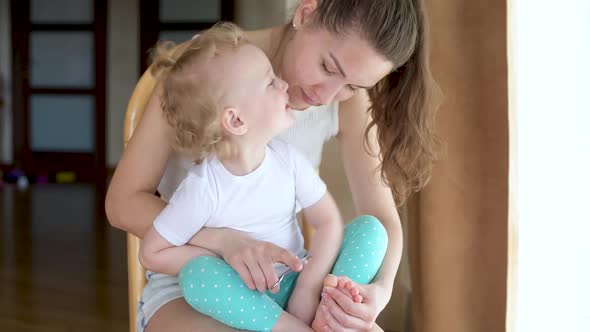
<point x="458" y="225"/>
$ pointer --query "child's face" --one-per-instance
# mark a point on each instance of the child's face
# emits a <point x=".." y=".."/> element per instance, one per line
<point x="259" y="97"/>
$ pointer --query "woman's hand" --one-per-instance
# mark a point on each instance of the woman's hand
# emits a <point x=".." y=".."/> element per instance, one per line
<point x="252" y="259"/>
<point x="342" y="314"/>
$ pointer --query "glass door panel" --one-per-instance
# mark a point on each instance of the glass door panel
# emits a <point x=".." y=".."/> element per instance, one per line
<point x="62" y="59"/>
<point x="190" y="11"/>
<point x="176" y="36"/>
<point x="61" y="123"/>
<point x="62" y="11"/>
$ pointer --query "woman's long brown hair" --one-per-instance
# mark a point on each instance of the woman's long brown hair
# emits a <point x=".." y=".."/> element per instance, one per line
<point x="404" y="103"/>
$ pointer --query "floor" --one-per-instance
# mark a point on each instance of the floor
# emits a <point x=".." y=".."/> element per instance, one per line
<point x="62" y="267"/>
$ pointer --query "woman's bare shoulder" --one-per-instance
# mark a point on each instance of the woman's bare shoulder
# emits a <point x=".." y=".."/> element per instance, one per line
<point x="144" y="159"/>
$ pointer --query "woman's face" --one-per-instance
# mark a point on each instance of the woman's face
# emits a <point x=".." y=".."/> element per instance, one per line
<point x="322" y="67"/>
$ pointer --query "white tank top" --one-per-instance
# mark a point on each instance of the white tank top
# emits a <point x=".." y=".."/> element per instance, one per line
<point x="310" y="130"/>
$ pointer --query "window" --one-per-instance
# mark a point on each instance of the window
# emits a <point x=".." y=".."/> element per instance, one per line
<point x="550" y="163"/>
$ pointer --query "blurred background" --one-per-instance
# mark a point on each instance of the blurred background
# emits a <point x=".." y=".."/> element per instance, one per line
<point x="498" y="240"/>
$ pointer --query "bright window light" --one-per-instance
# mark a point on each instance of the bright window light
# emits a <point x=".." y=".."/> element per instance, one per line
<point x="550" y="67"/>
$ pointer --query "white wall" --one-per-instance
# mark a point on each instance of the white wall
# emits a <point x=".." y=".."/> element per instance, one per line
<point x="256" y="14"/>
<point x="5" y="78"/>
<point x="122" y="70"/>
<point x="550" y="162"/>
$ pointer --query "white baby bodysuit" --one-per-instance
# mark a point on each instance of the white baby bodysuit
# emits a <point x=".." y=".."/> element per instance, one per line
<point x="262" y="203"/>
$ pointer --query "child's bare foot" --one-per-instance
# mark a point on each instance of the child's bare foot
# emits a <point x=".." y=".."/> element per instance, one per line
<point x="346" y="286"/>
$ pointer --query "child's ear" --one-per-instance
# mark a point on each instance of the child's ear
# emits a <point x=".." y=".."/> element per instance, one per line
<point x="304" y="13"/>
<point x="232" y="123"/>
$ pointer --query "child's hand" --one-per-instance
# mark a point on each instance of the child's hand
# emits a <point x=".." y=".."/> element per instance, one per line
<point x="253" y="260"/>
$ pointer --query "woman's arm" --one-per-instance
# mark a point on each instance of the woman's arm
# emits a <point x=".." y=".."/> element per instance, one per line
<point x="369" y="194"/>
<point x="371" y="197"/>
<point x="130" y="202"/>
<point x="326" y="220"/>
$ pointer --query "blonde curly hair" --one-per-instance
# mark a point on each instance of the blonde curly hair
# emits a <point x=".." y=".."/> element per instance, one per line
<point x="191" y="101"/>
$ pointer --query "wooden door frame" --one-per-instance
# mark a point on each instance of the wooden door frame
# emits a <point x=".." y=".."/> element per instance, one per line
<point x="150" y="25"/>
<point x="89" y="167"/>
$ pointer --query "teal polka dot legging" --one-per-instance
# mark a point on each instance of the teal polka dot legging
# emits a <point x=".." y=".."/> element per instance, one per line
<point x="213" y="288"/>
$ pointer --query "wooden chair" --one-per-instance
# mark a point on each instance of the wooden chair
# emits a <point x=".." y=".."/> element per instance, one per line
<point x="135" y="272"/>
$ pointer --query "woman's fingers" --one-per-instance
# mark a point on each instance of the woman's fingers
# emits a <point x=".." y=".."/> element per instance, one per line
<point x="265" y="276"/>
<point x="371" y="294"/>
<point x="261" y="278"/>
<point x="257" y="275"/>
<point x="244" y="273"/>
<point x="254" y="263"/>
<point x="344" y="301"/>
<point x="332" y="324"/>
<point x="343" y="318"/>
<point x="270" y="275"/>
<point x="347" y="304"/>
<point x="284" y="256"/>
<point x="249" y="270"/>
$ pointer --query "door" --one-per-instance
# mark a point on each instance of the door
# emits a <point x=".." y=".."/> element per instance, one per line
<point x="178" y="21"/>
<point x="59" y="65"/>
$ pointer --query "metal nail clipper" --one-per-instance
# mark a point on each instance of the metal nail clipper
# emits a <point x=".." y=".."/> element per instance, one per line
<point x="304" y="260"/>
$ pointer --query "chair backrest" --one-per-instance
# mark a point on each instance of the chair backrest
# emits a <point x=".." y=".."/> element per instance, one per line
<point x="135" y="272"/>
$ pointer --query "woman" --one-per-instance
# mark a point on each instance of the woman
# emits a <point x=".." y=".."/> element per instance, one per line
<point x="340" y="58"/>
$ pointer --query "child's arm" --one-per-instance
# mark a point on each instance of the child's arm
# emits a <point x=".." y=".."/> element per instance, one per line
<point x="164" y="248"/>
<point x="325" y="218"/>
<point x="159" y="255"/>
